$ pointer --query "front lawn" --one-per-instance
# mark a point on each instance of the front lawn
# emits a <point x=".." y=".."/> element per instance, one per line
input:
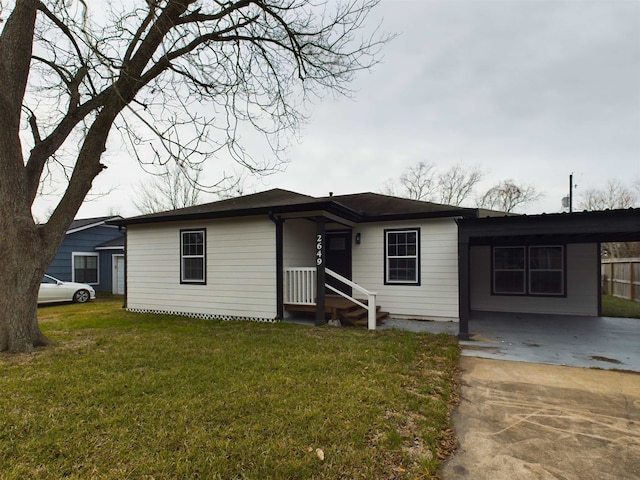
<point x="146" y="396"/>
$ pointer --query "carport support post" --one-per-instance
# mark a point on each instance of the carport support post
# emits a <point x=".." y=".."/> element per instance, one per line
<point x="320" y="265"/>
<point x="464" y="309"/>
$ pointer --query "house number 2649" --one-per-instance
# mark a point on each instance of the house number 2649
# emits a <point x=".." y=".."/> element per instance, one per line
<point x="319" y="250"/>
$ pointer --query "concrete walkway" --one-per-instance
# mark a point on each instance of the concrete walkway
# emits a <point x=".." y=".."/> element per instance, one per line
<point x="534" y="417"/>
<point x="521" y="420"/>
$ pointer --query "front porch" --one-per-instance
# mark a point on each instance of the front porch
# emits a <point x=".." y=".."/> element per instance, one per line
<point x="301" y="295"/>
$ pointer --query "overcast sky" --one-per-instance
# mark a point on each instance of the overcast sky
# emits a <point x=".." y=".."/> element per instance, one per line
<point x="527" y="89"/>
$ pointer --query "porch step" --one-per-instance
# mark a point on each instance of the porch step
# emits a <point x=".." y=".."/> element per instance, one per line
<point x="360" y="316"/>
<point x="339" y="308"/>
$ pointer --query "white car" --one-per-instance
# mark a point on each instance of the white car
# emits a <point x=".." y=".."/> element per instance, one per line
<point x="54" y="290"/>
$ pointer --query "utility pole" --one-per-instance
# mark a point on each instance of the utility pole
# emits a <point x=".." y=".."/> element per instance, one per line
<point x="571" y="193"/>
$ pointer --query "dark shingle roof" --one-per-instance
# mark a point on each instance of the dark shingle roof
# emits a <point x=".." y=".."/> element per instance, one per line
<point x="378" y="205"/>
<point x="360" y="207"/>
<point x="270" y="198"/>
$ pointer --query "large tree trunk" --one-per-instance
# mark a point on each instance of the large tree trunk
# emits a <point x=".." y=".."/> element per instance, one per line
<point x="24" y="261"/>
<point x="19" y="332"/>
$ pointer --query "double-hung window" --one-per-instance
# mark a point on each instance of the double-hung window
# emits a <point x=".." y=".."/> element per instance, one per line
<point x="193" y="256"/>
<point x="509" y="270"/>
<point x="546" y="270"/>
<point x="85" y="267"/>
<point x="532" y="270"/>
<point x="402" y="256"/>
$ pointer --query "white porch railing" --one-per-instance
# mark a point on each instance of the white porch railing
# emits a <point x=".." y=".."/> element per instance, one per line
<point x="301" y="290"/>
<point x="300" y="285"/>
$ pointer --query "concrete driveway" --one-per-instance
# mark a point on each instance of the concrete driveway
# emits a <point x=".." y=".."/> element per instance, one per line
<point x="521" y="420"/>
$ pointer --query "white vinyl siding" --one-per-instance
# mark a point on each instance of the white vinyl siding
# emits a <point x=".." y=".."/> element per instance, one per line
<point x="437" y="295"/>
<point x="299" y="243"/>
<point x="582" y="285"/>
<point x="240" y="269"/>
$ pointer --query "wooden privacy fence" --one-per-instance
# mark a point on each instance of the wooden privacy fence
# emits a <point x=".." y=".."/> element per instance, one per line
<point x="621" y="277"/>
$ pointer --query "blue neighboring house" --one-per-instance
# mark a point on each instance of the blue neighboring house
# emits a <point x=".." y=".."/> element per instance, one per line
<point x="92" y="252"/>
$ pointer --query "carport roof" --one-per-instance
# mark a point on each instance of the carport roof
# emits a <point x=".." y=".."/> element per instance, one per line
<point x="576" y="227"/>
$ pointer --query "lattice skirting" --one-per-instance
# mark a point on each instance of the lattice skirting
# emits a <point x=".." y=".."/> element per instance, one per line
<point x="203" y="316"/>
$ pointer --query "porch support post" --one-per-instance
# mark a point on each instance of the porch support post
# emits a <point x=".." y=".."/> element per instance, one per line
<point x="279" y="266"/>
<point x="320" y="266"/>
<point x="598" y="261"/>
<point x="464" y="308"/>
<point x="126" y="272"/>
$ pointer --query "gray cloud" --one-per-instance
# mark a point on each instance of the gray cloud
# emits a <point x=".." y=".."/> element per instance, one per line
<point x="532" y="90"/>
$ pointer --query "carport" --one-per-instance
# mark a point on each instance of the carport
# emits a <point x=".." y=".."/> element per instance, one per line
<point x="536" y="270"/>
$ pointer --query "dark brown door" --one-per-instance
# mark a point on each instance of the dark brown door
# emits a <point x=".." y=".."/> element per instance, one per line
<point x="338" y="259"/>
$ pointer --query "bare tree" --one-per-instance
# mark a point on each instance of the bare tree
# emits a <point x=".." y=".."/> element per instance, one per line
<point x="178" y="79"/>
<point x="507" y="196"/>
<point x="416" y="182"/>
<point x="178" y="188"/>
<point x="457" y="183"/>
<point x="168" y="190"/>
<point x="614" y="195"/>
<point x="422" y="181"/>
<point x="621" y="249"/>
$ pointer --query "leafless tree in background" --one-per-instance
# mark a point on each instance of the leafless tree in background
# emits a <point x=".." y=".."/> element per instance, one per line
<point x="168" y="190"/>
<point x="422" y="181"/>
<point x="176" y="188"/>
<point x="613" y="195"/>
<point x="457" y="183"/>
<point x="508" y="196"/>
<point x="178" y="79"/>
<point x="416" y="182"/>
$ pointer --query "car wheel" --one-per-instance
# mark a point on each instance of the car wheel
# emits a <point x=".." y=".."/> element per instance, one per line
<point x="81" y="296"/>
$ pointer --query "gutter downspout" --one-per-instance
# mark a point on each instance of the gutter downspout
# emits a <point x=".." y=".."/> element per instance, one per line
<point x="279" y="266"/>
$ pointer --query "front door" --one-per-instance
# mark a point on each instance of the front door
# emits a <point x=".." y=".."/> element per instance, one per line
<point x="338" y="259"/>
<point x="118" y="274"/>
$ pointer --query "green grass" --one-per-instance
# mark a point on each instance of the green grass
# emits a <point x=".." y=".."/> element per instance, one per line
<point x="619" y="307"/>
<point x="146" y="396"/>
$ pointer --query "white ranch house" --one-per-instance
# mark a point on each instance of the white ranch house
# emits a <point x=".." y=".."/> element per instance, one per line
<point x="275" y="254"/>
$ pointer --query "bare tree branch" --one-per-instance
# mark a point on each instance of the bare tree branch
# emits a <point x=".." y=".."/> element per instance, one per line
<point x="182" y="80"/>
<point x="508" y="196"/>
<point x="612" y="196"/>
<point x="457" y="184"/>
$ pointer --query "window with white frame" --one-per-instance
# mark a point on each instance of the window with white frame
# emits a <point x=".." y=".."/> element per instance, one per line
<point x="85" y="267"/>
<point x="402" y="256"/>
<point x="533" y="270"/>
<point x="192" y="256"/>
